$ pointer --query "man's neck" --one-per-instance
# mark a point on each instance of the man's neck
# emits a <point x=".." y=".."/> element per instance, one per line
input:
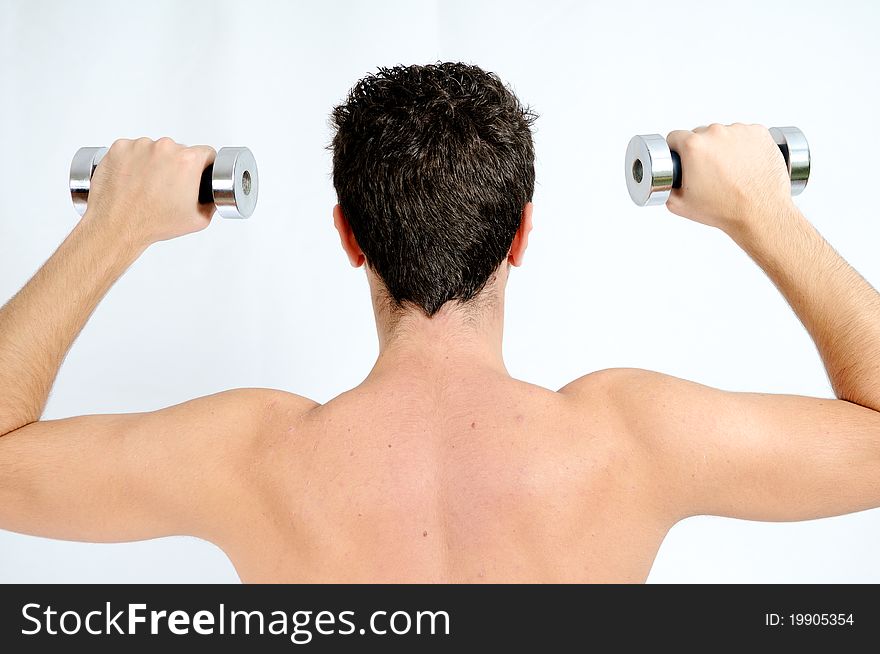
<point x="455" y="338"/>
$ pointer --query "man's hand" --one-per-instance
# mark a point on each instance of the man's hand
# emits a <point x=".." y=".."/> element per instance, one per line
<point x="147" y="191"/>
<point x="731" y="176"/>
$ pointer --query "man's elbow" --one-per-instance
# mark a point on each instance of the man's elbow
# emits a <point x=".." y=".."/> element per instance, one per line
<point x="870" y="399"/>
<point x="12" y="420"/>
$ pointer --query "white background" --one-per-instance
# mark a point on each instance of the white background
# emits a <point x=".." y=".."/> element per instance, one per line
<point x="272" y="302"/>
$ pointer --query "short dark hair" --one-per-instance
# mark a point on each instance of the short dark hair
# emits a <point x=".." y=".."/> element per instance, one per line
<point x="432" y="167"/>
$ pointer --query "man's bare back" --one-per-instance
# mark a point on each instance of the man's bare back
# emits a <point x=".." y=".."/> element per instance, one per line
<point x="434" y="476"/>
<point x="440" y="467"/>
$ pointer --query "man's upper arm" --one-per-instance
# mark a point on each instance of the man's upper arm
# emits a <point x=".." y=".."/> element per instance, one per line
<point x="135" y="476"/>
<point x="750" y="455"/>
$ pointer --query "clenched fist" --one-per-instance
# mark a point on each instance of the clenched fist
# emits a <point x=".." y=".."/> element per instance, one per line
<point x="731" y="175"/>
<point x="147" y="190"/>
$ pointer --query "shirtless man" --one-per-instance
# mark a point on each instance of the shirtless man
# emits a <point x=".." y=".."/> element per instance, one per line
<point x="440" y="467"/>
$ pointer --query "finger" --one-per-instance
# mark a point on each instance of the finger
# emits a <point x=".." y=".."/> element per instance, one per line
<point x="206" y="154"/>
<point x="167" y="142"/>
<point x="207" y="210"/>
<point x="677" y="138"/>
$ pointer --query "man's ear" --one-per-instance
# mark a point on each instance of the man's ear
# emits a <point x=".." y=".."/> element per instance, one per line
<point x="521" y="238"/>
<point x="346" y="236"/>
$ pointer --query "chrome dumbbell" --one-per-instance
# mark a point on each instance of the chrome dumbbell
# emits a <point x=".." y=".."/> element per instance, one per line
<point x="653" y="170"/>
<point x="231" y="182"/>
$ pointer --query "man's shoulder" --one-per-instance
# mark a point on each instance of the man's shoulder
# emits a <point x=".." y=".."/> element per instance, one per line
<point x="271" y="400"/>
<point x="617" y="382"/>
<point x="247" y="408"/>
<point x="650" y="404"/>
<point x="642" y="402"/>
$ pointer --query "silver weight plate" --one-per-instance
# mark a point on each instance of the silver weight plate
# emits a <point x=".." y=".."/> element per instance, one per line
<point x="794" y="146"/>
<point x="648" y="169"/>
<point x="81" y="170"/>
<point x="235" y="182"/>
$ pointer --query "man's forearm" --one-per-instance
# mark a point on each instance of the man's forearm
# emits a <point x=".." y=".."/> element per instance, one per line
<point x="38" y="325"/>
<point x="840" y="310"/>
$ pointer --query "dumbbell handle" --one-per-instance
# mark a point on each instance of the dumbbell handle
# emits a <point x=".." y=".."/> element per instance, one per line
<point x="676" y="164"/>
<point x="206" y="187"/>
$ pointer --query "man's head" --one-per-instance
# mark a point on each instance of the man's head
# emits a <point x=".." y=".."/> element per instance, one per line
<point x="434" y="172"/>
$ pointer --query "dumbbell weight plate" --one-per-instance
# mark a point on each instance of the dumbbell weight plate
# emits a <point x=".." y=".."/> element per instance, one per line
<point x="231" y="183"/>
<point x="649" y="169"/>
<point x="235" y="182"/>
<point x="81" y="170"/>
<point x="796" y="151"/>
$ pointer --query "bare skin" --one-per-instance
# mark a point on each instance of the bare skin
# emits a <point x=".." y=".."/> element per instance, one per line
<point x="440" y="467"/>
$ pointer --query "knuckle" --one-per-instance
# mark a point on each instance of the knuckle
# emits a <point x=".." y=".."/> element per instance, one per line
<point x="190" y="155"/>
<point x="120" y="144"/>
<point x="691" y="143"/>
<point x="165" y="142"/>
